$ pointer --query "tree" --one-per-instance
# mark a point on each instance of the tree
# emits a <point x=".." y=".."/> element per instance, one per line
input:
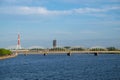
<point x="97" y="49"/>
<point x="57" y="49"/>
<point x="67" y="47"/>
<point x="77" y="49"/>
<point x="4" y="52"/>
<point x="111" y="49"/>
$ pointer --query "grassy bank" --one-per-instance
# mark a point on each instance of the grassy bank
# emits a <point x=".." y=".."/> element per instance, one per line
<point x="4" y="53"/>
<point x="8" y="56"/>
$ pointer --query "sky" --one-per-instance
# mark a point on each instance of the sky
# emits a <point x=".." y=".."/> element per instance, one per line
<point x="85" y="23"/>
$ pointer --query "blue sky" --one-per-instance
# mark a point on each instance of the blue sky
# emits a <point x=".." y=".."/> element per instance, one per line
<point x="85" y="23"/>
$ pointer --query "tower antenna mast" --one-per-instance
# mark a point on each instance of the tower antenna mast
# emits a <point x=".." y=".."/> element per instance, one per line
<point x="18" y="42"/>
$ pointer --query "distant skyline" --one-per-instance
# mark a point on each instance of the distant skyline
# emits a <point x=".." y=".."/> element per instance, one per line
<point x="71" y="22"/>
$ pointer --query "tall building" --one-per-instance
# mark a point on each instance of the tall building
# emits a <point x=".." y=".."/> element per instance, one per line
<point x="54" y="43"/>
<point x="18" y="42"/>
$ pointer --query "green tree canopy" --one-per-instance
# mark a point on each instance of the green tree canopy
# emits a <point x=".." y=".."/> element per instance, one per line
<point x="111" y="49"/>
<point x="4" y="52"/>
<point x="77" y="49"/>
<point x="67" y="47"/>
<point x="57" y="49"/>
<point x="97" y="49"/>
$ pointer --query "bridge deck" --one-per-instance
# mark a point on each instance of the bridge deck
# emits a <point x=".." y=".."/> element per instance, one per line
<point x="27" y="51"/>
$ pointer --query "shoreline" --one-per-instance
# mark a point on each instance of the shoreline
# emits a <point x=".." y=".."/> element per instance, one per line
<point x="8" y="56"/>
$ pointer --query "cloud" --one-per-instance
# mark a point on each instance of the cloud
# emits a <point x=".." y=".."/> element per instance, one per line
<point x="30" y="10"/>
<point x="32" y="47"/>
<point x="88" y="32"/>
<point x="12" y="47"/>
<point x="95" y="10"/>
<point x="88" y="10"/>
<point x="24" y="10"/>
<point x="15" y="1"/>
<point x="59" y="2"/>
<point x="67" y="1"/>
<point x="89" y="1"/>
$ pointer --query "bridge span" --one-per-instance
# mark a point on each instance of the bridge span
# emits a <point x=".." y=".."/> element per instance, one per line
<point x="20" y="51"/>
<point x="26" y="51"/>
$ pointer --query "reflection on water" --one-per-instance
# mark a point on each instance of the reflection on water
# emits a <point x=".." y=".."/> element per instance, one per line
<point x="61" y="67"/>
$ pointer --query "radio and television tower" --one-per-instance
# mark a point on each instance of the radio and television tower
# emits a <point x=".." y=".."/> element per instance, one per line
<point x="18" y="43"/>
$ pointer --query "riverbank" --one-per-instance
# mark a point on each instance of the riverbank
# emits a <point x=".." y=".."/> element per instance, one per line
<point x="8" y="56"/>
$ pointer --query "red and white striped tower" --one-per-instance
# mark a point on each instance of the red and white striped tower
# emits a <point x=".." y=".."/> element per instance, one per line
<point x="18" y="43"/>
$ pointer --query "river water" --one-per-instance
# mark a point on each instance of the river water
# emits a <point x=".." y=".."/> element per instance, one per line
<point x="61" y="67"/>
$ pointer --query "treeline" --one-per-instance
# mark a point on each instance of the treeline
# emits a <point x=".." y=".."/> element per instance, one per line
<point x="4" y="52"/>
<point x="75" y="49"/>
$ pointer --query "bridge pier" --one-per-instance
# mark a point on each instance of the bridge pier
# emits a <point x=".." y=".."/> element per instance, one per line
<point x="45" y="54"/>
<point x="69" y="54"/>
<point x="96" y="54"/>
<point x="25" y="53"/>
